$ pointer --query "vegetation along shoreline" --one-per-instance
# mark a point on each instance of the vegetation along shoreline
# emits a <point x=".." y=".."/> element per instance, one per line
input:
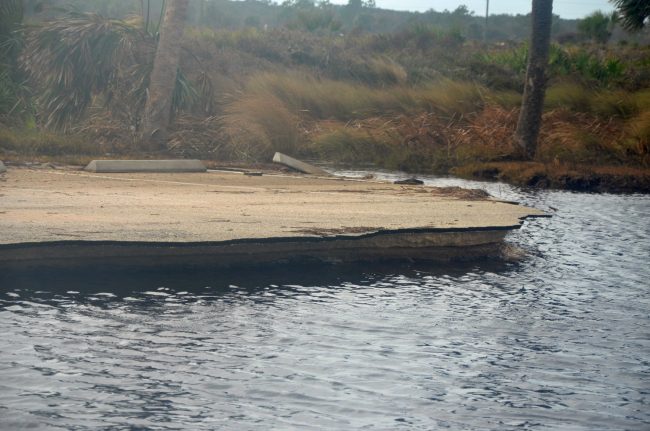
<point x="433" y="92"/>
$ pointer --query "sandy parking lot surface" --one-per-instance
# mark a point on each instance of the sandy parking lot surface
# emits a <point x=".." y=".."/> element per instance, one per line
<point x="38" y="205"/>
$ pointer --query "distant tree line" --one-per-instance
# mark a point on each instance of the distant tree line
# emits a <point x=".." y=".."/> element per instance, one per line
<point x="314" y="16"/>
<point x="359" y="16"/>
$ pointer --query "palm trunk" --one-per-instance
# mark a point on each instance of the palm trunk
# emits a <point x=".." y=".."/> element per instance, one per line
<point x="530" y="117"/>
<point x="163" y="76"/>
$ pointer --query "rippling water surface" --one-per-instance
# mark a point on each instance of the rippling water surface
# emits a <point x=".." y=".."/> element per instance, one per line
<point x="559" y="340"/>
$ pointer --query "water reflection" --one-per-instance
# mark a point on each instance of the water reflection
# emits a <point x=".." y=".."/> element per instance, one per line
<point x="104" y="285"/>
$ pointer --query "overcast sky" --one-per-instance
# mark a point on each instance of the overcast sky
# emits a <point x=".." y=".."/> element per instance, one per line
<point x="564" y="8"/>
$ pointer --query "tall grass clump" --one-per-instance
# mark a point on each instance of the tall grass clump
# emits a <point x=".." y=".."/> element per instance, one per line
<point x="638" y="141"/>
<point x="601" y="102"/>
<point x="486" y="135"/>
<point x="353" y="145"/>
<point x="579" y="138"/>
<point x="614" y="104"/>
<point x="385" y="71"/>
<point x="451" y="97"/>
<point x="370" y="70"/>
<point x="328" y="99"/>
<point x="384" y="143"/>
<point x="569" y="96"/>
<point x="255" y="127"/>
<point x="394" y="125"/>
<point x="642" y="99"/>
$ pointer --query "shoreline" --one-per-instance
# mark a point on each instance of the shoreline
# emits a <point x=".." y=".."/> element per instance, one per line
<point x="544" y="176"/>
<point x="581" y="178"/>
<point x="220" y="218"/>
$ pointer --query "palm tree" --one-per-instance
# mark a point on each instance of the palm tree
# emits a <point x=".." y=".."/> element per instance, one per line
<point x="530" y="116"/>
<point x="634" y="13"/>
<point x="163" y="76"/>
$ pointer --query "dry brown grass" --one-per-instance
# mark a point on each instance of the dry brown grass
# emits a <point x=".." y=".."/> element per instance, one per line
<point x="638" y="137"/>
<point x="580" y="138"/>
<point x="198" y="137"/>
<point x="487" y="135"/>
<point x="416" y="143"/>
<point x="431" y="127"/>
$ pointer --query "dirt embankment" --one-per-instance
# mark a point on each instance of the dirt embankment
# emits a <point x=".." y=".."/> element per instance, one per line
<point x="610" y="179"/>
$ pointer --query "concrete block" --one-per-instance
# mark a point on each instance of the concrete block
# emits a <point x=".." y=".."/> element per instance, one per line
<point x="296" y="164"/>
<point x="2" y="167"/>
<point x="115" y="166"/>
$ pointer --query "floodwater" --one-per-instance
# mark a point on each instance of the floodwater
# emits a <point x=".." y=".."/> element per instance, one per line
<point x="557" y="341"/>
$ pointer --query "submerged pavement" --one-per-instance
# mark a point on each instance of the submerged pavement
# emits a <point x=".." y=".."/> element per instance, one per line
<point x="66" y="218"/>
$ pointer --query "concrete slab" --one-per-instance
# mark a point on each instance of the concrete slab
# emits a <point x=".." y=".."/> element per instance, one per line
<point x="71" y="217"/>
<point x="2" y="167"/>
<point x="300" y="166"/>
<point x="126" y="166"/>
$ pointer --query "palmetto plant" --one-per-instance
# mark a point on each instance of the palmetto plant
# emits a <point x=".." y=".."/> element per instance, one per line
<point x="151" y="13"/>
<point x="84" y="59"/>
<point x="14" y="94"/>
<point x="77" y="58"/>
<point x="11" y="13"/>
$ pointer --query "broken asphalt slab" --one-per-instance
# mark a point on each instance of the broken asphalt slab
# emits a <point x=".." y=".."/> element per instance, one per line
<point x="67" y="217"/>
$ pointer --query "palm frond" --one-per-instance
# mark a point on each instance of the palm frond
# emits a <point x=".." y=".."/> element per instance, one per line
<point x="184" y="95"/>
<point x="76" y="58"/>
<point x="11" y="14"/>
<point x="633" y="14"/>
<point x="14" y="94"/>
